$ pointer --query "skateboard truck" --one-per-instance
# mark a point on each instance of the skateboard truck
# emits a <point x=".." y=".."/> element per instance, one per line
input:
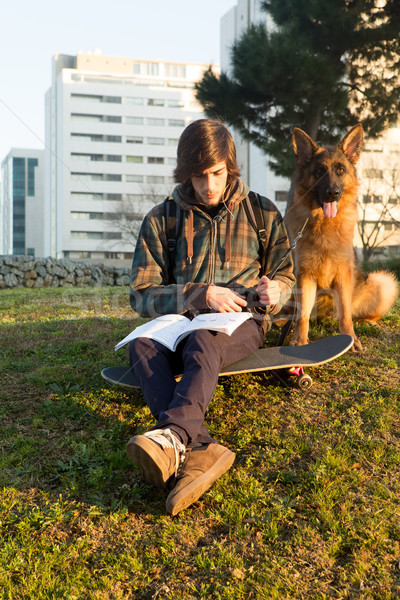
<point x="304" y="381"/>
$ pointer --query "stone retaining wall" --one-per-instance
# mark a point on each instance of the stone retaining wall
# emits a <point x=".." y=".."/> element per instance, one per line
<point x="26" y="271"/>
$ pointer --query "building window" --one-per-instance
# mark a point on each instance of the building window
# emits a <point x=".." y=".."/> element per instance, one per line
<point x="112" y="99"/>
<point x="94" y="137"/>
<point x="112" y="235"/>
<point x="83" y="196"/>
<point x="96" y="157"/>
<point x="113" y="197"/>
<point x="154" y="141"/>
<point x="95" y="118"/>
<point x="86" y="97"/>
<point x="96" y="98"/>
<point x="155" y="179"/>
<point x="134" y="159"/>
<point x="133" y="139"/>
<point x="282" y="197"/>
<point x="87" y="235"/>
<point x="155" y="102"/>
<point x="32" y="163"/>
<point x="86" y="215"/>
<point x="84" y="157"/>
<point x="95" y="177"/>
<point x="389" y="226"/>
<point x="146" y="68"/>
<point x="156" y="122"/>
<point x="112" y="177"/>
<point x="373" y="173"/>
<point x="155" y="160"/>
<point x="134" y="120"/>
<point x="86" y="137"/>
<point x="135" y="178"/>
<point x="175" y="71"/>
<point x="175" y="104"/>
<point x="96" y="235"/>
<point x="87" y="118"/>
<point x="133" y="197"/>
<point x="176" y="123"/>
<point x="134" y="101"/>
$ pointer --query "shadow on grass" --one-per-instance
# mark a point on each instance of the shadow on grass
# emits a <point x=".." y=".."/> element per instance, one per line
<point x="63" y="429"/>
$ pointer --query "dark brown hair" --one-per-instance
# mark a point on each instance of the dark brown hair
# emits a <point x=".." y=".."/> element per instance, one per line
<point x="203" y="144"/>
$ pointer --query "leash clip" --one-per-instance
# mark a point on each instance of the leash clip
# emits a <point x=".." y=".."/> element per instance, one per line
<point x="299" y="235"/>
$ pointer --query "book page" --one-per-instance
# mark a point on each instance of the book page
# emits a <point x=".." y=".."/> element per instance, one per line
<point x="224" y="322"/>
<point x="169" y="330"/>
<point x="164" y="329"/>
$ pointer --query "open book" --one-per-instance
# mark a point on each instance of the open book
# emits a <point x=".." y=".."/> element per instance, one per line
<point x="169" y="330"/>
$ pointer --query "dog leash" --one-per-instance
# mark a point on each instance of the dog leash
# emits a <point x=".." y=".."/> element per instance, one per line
<point x="275" y="269"/>
<point x="292" y="247"/>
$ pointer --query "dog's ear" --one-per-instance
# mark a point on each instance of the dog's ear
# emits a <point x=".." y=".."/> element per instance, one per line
<point x="351" y="143"/>
<point x="303" y="146"/>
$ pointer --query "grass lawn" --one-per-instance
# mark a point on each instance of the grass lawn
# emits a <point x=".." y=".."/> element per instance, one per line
<point x="310" y="510"/>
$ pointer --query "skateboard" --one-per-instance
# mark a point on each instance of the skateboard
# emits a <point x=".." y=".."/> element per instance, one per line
<point x="291" y="358"/>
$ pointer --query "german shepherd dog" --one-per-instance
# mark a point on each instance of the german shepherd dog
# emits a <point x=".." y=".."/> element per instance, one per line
<point x="328" y="277"/>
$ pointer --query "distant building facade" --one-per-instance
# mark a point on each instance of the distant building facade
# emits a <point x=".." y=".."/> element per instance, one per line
<point x="253" y="163"/>
<point x="22" y="203"/>
<point x="379" y="195"/>
<point x="112" y="128"/>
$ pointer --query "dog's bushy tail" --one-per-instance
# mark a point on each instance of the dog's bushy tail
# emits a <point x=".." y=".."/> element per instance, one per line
<point x="374" y="296"/>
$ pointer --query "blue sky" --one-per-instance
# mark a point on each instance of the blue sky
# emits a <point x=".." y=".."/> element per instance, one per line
<point x="31" y="32"/>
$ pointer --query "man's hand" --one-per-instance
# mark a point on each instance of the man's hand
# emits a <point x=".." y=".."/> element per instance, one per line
<point x="268" y="291"/>
<point x="222" y="299"/>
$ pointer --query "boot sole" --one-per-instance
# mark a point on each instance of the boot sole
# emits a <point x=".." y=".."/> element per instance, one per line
<point x="151" y="460"/>
<point x="201" y="484"/>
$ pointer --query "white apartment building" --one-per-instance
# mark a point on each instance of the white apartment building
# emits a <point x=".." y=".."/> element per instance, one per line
<point x="112" y="128"/>
<point x="253" y="163"/>
<point x="379" y="193"/>
<point x="22" y="202"/>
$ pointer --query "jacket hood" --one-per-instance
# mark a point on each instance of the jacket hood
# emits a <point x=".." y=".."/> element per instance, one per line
<point x="184" y="195"/>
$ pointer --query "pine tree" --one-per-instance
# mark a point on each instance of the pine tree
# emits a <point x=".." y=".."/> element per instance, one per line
<point x="324" y="67"/>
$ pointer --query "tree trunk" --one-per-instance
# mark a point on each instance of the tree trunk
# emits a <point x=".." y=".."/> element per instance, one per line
<point x="313" y="123"/>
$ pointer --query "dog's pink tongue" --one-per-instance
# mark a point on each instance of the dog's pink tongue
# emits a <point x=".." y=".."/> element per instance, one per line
<point x="330" y="209"/>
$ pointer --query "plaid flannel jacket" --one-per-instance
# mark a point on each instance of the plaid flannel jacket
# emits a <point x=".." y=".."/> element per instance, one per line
<point x="152" y="294"/>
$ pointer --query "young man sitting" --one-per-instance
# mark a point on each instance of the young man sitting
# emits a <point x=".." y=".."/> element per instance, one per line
<point x="216" y="268"/>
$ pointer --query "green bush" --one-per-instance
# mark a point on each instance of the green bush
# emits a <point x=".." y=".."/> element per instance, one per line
<point x="390" y="264"/>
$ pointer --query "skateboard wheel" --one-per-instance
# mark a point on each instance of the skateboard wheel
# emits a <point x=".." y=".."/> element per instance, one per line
<point x="304" y="381"/>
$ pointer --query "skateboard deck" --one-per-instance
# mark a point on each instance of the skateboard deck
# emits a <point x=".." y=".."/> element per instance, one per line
<point x="292" y="358"/>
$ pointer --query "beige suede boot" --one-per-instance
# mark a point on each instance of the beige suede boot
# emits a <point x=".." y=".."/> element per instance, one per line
<point x="158" y="453"/>
<point x="202" y="467"/>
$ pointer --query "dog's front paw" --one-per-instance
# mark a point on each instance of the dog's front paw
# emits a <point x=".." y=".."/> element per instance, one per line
<point x="357" y="346"/>
<point x="298" y="342"/>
